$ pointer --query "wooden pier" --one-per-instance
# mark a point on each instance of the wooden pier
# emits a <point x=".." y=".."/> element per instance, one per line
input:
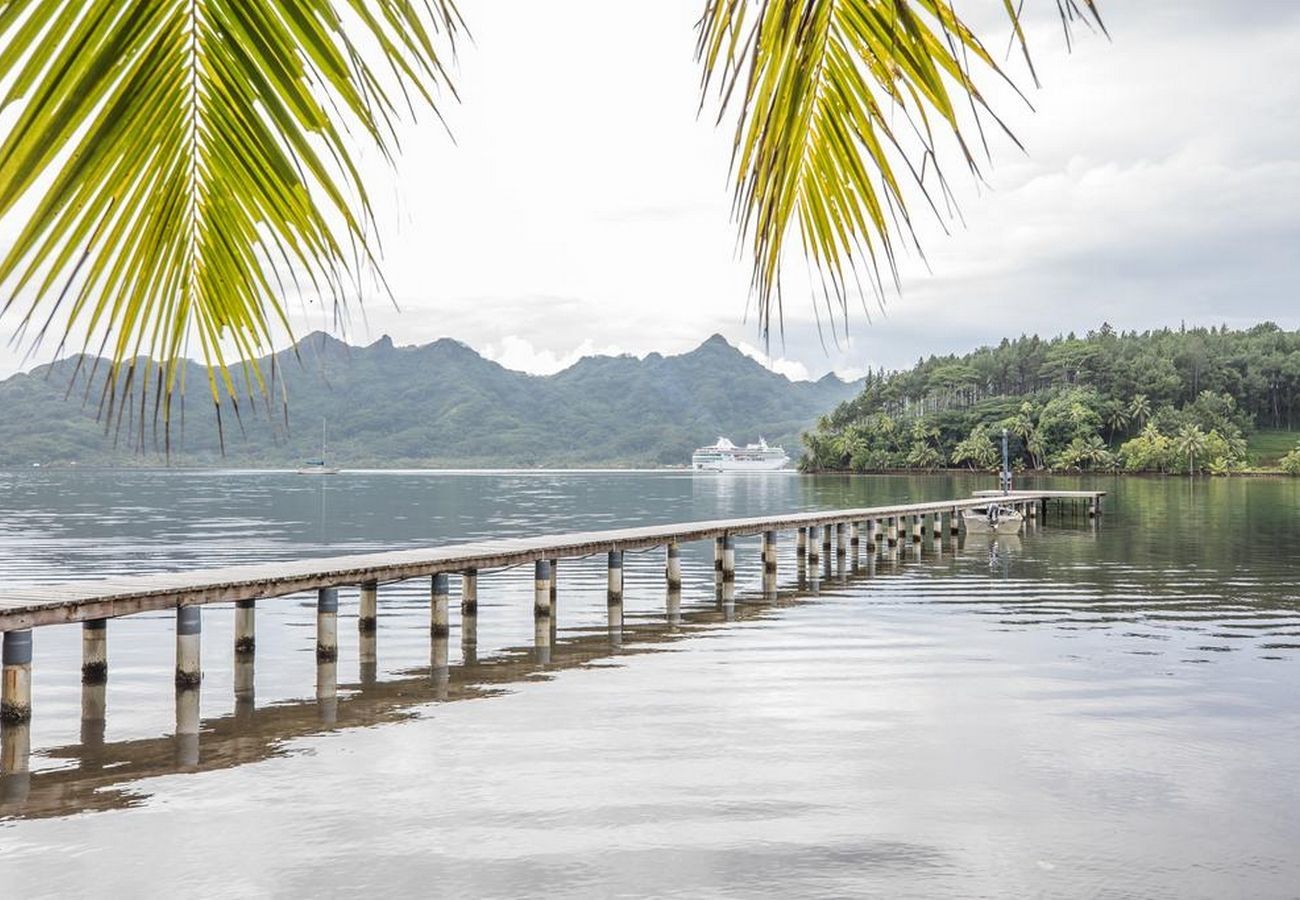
<point x="93" y="602"/>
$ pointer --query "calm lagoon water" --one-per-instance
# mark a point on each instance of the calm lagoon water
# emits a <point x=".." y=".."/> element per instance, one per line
<point x="1079" y="711"/>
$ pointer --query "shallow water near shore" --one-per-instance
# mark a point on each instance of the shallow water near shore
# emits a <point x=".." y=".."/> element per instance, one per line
<point x="1089" y="708"/>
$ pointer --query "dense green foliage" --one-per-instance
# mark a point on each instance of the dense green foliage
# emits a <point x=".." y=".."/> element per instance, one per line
<point x="1164" y="401"/>
<point x="439" y="404"/>
<point x="1290" y="463"/>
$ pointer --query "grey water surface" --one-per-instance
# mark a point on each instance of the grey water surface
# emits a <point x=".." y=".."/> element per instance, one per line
<point x="1088" y="709"/>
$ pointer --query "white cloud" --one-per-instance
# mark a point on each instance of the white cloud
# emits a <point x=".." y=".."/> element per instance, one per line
<point x="516" y="353"/>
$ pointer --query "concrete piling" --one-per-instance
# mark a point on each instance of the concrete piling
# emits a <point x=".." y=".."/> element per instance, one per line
<point x="555" y="585"/>
<point x="873" y="535"/>
<point x="769" y="553"/>
<point x="327" y="624"/>
<point x="729" y="559"/>
<point x="368" y="608"/>
<point x="954" y="522"/>
<point x="916" y="529"/>
<point x="94" y="651"/>
<point x="614" y="563"/>
<point x="542" y="591"/>
<point x="826" y="542"/>
<point x="841" y="541"/>
<point x="469" y="615"/>
<point x="892" y="535"/>
<point x="189" y="666"/>
<point x="801" y="544"/>
<point x="814" y="554"/>
<point x="717" y="560"/>
<point x="674" y="568"/>
<point x="245" y="627"/>
<point x="936" y="525"/>
<point x="440" y="599"/>
<point x="16" y="690"/>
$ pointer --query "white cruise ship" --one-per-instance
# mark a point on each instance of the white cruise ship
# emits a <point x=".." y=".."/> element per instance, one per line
<point x="724" y="456"/>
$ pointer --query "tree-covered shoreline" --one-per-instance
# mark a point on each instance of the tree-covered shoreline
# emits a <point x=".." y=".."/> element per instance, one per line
<point x="1166" y="401"/>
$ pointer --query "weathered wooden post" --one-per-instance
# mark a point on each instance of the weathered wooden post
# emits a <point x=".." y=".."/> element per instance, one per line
<point x="841" y="542"/>
<point x="855" y="537"/>
<point x="189" y="665"/>
<point x="892" y="535"/>
<point x="728" y="559"/>
<point x="94" y="651"/>
<point x="16" y="689"/>
<point x="814" y="555"/>
<point x="555" y="585"/>
<point x="954" y="522"/>
<point x="826" y="543"/>
<point x="801" y="544"/>
<point x="936" y="524"/>
<point x="673" y="570"/>
<point x="440" y="599"/>
<point x="327" y="624"/>
<point x="769" y="553"/>
<point x="873" y="535"/>
<point x="717" y="560"/>
<point x="916" y="528"/>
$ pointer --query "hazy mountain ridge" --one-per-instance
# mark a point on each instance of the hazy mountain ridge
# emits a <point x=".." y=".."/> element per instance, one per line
<point x="434" y="404"/>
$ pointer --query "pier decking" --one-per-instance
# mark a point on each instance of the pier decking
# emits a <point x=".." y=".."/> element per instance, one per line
<point x="819" y="535"/>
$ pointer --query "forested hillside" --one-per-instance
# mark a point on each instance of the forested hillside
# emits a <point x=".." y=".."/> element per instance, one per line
<point x="437" y="404"/>
<point x="1169" y="400"/>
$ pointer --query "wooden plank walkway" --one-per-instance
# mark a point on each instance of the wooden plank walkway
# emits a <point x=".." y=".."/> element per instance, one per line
<point x="29" y="607"/>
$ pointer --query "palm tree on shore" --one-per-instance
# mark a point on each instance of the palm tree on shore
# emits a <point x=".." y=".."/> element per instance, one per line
<point x="181" y="167"/>
<point x="1139" y="409"/>
<point x="1189" y="442"/>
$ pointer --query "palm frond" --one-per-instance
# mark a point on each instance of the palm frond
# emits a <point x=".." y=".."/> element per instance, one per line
<point x="840" y="107"/>
<point x="171" y="157"/>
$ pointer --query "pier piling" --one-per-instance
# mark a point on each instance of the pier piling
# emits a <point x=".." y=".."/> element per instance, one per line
<point x="94" y="651"/>
<point x="615" y="583"/>
<point x="16" y="691"/>
<point x="728" y="559"/>
<point x="327" y="624"/>
<point x="440" y="599"/>
<point x="189" y="665"/>
<point x="368" y="608"/>
<point x="673" y="569"/>
<point x="769" y="553"/>
<point x="542" y="590"/>
<point x="245" y="627"/>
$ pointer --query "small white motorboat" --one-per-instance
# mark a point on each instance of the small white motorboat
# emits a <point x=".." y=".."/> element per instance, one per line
<point x="992" y="519"/>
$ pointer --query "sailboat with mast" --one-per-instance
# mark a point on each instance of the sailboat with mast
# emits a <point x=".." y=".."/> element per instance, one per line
<point x="317" y="466"/>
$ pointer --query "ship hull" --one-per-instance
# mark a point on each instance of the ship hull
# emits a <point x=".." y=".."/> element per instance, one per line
<point x="741" y="465"/>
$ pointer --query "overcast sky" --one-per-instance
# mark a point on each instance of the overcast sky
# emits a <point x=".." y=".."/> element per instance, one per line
<point x="585" y="207"/>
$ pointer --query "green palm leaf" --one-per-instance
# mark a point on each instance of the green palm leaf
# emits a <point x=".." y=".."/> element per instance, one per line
<point x="170" y="157"/>
<point x="840" y="104"/>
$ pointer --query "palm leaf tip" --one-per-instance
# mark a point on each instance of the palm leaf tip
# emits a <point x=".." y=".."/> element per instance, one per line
<point x="177" y="154"/>
<point x="840" y="109"/>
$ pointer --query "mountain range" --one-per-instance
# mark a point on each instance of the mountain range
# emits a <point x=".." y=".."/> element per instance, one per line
<point x="439" y="404"/>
